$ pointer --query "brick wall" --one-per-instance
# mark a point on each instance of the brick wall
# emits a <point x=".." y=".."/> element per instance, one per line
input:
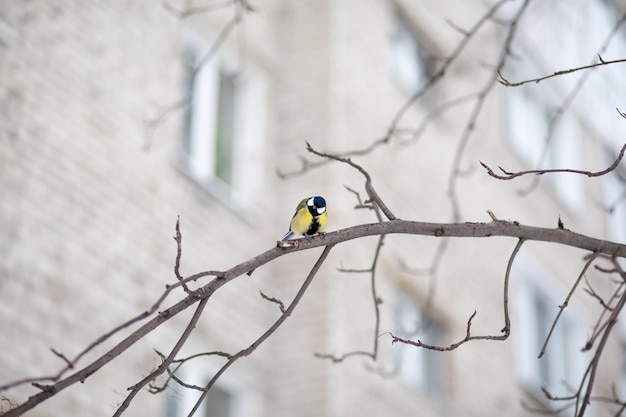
<point x="90" y="199"/>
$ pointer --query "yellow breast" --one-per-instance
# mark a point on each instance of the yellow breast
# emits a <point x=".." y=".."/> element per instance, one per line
<point x="303" y="223"/>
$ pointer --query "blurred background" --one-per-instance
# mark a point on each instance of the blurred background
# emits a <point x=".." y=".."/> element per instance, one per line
<point x="118" y="116"/>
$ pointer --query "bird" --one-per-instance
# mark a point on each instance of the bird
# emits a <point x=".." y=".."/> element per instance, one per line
<point x="309" y="219"/>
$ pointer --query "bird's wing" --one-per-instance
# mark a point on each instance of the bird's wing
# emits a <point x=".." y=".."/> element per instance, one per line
<point x="301" y="205"/>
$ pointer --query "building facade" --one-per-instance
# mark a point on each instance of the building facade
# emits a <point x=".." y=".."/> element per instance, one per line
<point x="119" y="118"/>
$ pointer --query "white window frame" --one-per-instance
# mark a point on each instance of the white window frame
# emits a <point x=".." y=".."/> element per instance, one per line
<point x="529" y="112"/>
<point x="614" y="188"/>
<point x="7" y="34"/>
<point x="245" y="403"/>
<point x="248" y="129"/>
<point x="409" y="60"/>
<point x="419" y="368"/>
<point x="570" y="335"/>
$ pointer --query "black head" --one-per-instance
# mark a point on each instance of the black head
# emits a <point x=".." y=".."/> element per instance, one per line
<point x="317" y="205"/>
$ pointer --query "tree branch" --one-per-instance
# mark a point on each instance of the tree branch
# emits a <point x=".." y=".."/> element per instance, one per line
<point x="506" y="330"/>
<point x="268" y="333"/>
<point x="374" y="198"/>
<point x="563" y="306"/>
<point x="601" y="63"/>
<point x="165" y="363"/>
<point x="510" y="175"/>
<point x="492" y="229"/>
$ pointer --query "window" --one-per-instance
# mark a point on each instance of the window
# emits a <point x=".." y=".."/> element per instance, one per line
<point x="615" y="201"/>
<point x="540" y="146"/>
<point x="410" y="61"/>
<point x="420" y="368"/>
<point x="563" y="364"/>
<point x="227" y="398"/>
<point x="622" y="382"/>
<point x="7" y="34"/>
<point x="218" y="402"/>
<point x="224" y="124"/>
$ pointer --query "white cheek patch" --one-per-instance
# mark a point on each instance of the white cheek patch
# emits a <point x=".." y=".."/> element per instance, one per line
<point x="310" y="202"/>
<point x="321" y="210"/>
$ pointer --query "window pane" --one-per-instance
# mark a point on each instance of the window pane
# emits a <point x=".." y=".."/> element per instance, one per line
<point x="189" y="61"/>
<point x="171" y="404"/>
<point x="419" y="367"/>
<point x="410" y="61"/>
<point x="225" y="127"/>
<point x="218" y="403"/>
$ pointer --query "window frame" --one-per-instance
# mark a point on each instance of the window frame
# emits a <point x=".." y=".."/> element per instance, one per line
<point x="7" y="33"/>
<point x="614" y="193"/>
<point x="198" y="149"/>
<point x="529" y="114"/>
<point x="530" y="283"/>
<point x="180" y="400"/>
<point x="430" y="378"/>
<point x="407" y="55"/>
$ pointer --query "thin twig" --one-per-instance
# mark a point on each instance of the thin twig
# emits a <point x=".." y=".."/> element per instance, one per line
<point x="373" y="354"/>
<point x="565" y="105"/>
<point x="371" y="192"/>
<point x="563" y="306"/>
<point x="558" y="236"/>
<point x="506" y="330"/>
<point x="269" y="331"/>
<point x="135" y="389"/>
<point x="601" y="63"/>
<point x="477" y="111"/>
<point x="467" y="338"/>
<point x="601" y="345"/>
<point x="393" y="128"/>
<point x="281" y="305"/>
<point x="166" y="111"/>
<point x="179" y="251"/>
<point x="510" y="175"/>
<point x="444" y="66"/>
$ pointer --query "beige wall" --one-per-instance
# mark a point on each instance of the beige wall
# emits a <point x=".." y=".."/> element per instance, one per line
<point x="88" y="210"/>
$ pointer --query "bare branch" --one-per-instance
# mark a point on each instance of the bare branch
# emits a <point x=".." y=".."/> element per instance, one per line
<point x="376" y="301"/>
<point x="453" y="346"/>
<point x="510" y="175"/>
<point x="506" y="330"/>
<point x="269" y="332"/>
<point x="598" y="353"/>
<point x="135" y="389"/>
<point x="166" y="111"/>
<point x="559" y="236"/>
<point x="393" y="128"/>
<point x="69" y="363"/>
<point x="307" y="165"/>
<point x="601" y="63"/>
<point x="569" y="99"/>
<point x="477" y="110"/>
<point x="563" y="306"/>
<point x="281" y="305"/>
<point x="434" y="115"/>
<point x="147" y="313"/>
<point x="468" y="35"/>
<point x="179" y="251"/>
<point x="371" y="192"/>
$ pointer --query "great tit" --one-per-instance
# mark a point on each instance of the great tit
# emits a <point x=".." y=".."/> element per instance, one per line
<point x="309" y="219"/>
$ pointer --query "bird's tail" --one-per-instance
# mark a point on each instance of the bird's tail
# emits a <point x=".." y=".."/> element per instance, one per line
<point x="288" y="236"/>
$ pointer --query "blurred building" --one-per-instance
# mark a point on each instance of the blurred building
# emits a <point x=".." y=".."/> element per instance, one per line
<point x="117" y="117"/>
